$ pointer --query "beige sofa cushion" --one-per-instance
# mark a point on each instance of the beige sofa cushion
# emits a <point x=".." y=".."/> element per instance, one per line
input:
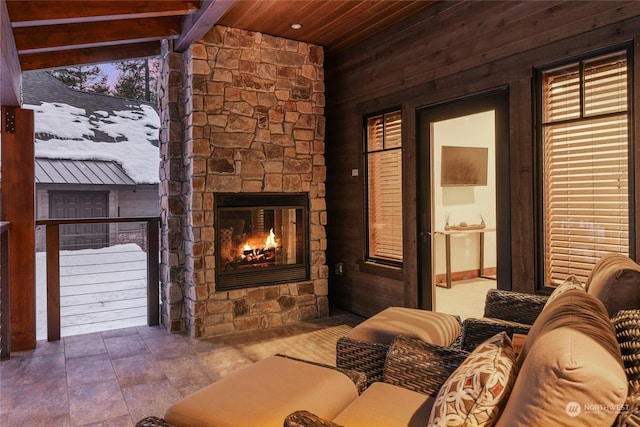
<point x="386" y="405"/>
<point x="478" y="389"/>
<point x="579" y="311"/>
<point x="615" y="280"/>
<point x="429" y="326"/>
<point x="263" y="394"/>
<point x="571" y="371"/>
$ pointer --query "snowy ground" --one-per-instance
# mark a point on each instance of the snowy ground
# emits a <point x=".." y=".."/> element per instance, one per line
<point x="100" y="289"/>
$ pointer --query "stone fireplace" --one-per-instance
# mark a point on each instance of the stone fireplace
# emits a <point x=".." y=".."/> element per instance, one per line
<point x="262" y="239"/>
<point x="242" y="120"/>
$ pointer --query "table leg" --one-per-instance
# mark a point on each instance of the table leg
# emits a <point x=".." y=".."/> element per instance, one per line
<point x="481" y="254"/>
<point x="448" y="259"/>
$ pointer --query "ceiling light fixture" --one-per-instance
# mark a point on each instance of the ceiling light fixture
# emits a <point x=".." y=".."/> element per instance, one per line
<point x="296" y="26"/>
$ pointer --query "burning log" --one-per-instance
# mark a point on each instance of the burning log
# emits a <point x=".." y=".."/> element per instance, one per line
<point x="253" y="256"/>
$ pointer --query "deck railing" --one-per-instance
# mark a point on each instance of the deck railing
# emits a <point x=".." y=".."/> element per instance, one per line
<point x="98" y="263"/>
<point x="5" y="314"/>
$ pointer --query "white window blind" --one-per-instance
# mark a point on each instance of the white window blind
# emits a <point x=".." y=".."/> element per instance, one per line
<point x="586" y="177"/>
<point x="384" y="186"/>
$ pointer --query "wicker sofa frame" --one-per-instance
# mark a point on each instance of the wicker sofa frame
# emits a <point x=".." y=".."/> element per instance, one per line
<point x="369" y="358"/>
<point x="508" y="311"/>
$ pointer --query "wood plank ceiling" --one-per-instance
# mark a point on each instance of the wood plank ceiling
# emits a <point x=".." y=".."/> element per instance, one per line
<point x="53" y="33"/>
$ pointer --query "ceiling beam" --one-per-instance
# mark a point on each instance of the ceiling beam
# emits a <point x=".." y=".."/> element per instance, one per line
<point x="52" y="37"/>
<point x="52" y="12"/>
<point x="195" y="26"/>
<point x="10" y="73"/>
<point x="86" y="56"/>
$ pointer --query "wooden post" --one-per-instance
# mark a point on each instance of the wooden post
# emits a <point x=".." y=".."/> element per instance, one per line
<point x="5" y="297"/>
<point x="18" y="208"/>
<point x="153" y="276"/>
<point x="53" y="282"/>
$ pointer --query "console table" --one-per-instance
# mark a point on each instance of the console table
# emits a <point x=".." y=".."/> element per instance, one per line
<point x="447" y="237"/>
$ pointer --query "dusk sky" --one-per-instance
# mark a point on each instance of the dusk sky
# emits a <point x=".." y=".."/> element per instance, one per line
<point x="111" y="72"/>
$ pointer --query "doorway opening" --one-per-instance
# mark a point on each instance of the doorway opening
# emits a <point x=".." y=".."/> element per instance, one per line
<point x="464" y="202"/>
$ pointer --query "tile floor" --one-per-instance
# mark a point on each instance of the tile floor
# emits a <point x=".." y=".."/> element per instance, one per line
<point x="465" y="298"/>
<point x="114" y="378"/>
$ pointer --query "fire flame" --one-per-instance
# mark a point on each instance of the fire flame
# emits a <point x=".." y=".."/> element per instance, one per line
<point x="271" y="240"/>
<point x="270" y="243"/>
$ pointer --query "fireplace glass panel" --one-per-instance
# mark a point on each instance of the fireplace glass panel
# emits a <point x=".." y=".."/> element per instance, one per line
<point x="261" y="244"/>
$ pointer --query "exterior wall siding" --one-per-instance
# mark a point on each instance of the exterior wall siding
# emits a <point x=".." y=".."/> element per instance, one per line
<point x="141" y="201"/>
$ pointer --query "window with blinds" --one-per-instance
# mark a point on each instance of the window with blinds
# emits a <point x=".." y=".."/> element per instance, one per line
<point x="585" y="147"/>
<point x="383" y="157"/>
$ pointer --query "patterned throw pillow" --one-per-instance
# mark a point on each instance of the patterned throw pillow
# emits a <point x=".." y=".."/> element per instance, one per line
<point x="571" y="282"/>
<point x="476" y="392"/>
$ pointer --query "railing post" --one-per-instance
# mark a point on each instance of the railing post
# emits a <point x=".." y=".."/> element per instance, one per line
<point x="5" y="298"/>
<point x="53" y="282"/>
<point x="153" y="276"/>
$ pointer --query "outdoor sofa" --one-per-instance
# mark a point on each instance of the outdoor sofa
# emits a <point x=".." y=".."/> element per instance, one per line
<point x="579" y="365"/>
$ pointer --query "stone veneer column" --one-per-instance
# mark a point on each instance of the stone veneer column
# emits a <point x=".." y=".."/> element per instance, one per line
<point x="172" y="186"/>
<point x="252" y="116"/>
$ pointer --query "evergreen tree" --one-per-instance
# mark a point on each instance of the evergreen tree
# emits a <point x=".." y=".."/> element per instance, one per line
<point x="84" y="78"/>
<point x="137" y="80"/>
<point x="130" y="81"/>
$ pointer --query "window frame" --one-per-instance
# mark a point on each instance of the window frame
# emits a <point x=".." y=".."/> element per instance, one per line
<point x="365" y="161"/>
<point x="538" y="129"/>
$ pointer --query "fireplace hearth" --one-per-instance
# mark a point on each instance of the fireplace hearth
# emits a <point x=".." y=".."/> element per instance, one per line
<point x="261" y="239"/>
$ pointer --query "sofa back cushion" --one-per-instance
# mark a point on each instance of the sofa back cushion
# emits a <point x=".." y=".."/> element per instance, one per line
<point x="615" y="280"/>
<point x="570" y="368"/>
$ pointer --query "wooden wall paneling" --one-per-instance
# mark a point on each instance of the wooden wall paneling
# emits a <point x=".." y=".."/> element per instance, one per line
<point x="410" y="209"/>
<point x="433" y="68"/>
<point x="522" y="184"/>
<point x="521" y="27"/>
<point x="409" y="58"/>
<point x="423" y="52"/>
<point x="345" y="203"/>
<point x="378" y="294"/>
<point x="18" y="208"/>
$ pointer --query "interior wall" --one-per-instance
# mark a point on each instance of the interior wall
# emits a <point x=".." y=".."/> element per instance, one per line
<point x="468" y="204"/>
<point x="452" y="50"/>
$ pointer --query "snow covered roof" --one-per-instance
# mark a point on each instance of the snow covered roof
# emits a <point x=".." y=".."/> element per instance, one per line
<point x="75" y="125"/>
